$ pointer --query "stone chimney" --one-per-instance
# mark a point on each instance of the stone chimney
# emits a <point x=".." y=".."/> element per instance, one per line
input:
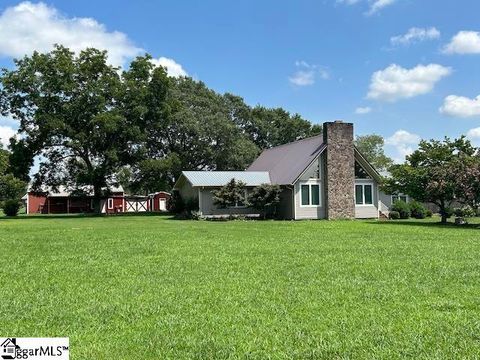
<point x="339" y="170"/>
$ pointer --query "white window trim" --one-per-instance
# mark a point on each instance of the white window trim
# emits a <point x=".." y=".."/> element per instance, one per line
<point x="236" y="206"/>
<point x="398" y="196"/>
<point x="310" y="183"/>
<point x="363" y="184"/>
<point x="110" y="203"/>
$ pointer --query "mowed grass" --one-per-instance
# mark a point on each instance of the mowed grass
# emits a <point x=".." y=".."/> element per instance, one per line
<point x="147" y="287"/>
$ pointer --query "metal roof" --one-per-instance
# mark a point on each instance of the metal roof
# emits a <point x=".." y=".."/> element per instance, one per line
<point x="63" y="191"/>
<point x="286" y="162"/>
<point x="221" y="178"/>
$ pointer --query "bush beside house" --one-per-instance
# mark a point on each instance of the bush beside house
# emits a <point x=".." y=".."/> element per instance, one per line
<point x="11" y="207"/>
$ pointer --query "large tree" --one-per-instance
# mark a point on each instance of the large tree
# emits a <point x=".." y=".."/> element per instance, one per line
<point x="427" y="174"/>
<point x="372" y="147"/>
<point x="71" y="113"/>
<point x="466" y="170"/>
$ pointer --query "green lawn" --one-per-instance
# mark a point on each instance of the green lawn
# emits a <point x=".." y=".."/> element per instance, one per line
<point x="146" y="287"/>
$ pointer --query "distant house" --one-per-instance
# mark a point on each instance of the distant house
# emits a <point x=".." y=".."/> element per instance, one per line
<point x="63" y="201"/>
<point x="322" y="177"/>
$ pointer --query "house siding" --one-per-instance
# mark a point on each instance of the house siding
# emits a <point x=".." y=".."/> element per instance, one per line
<point x="367" y="211"/>
<point x="317" y="212"/>
<point x="207" y="207"/>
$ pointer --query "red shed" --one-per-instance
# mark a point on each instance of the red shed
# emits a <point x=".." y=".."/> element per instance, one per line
<point x="159" y="201"/>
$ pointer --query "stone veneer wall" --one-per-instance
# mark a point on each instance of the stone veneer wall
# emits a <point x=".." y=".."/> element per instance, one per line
<point x="340" y="170"/>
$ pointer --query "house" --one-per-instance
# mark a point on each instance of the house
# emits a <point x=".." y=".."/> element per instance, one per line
<point x="321" y="177"/>
<point x="63" y="201"/>
<point x="8" y="348"/>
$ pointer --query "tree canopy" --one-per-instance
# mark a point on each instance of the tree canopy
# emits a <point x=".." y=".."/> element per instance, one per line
<point x="429" y="175"/>
<point x="371" y="146"/>
<point x="93" y="125"/>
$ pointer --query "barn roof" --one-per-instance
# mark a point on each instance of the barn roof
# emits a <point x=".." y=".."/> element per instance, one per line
<point x="221" y="178"/>
<point x="63" y="191"/>
<point x="286" y="162"/>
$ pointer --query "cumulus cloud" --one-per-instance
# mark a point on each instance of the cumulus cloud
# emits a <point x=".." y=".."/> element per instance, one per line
<point x="414" y="35"/>
<point x="6" y="132"/>
<point x="404" y="142"/>
<point x="174" y="69"/>
<point x="465" y="42"/>
<point x="395" y="82"/>
<point x="307" y="74"/>
<point x="363" y="110"/>
<point x="29" y="26"/>
<point x="460" y="106"/>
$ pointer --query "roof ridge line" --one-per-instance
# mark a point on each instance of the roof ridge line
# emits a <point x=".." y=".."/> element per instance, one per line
<point x="293" y="142"/>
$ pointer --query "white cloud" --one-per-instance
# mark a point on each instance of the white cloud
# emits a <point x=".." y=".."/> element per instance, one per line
<point x="36" y="26"/>
<point x="460" y="106"/>
<point x="474" y="133"/>
<point x="415" y="34"/>
<point x="465" y="42"/>
<point x="174" y="69"/>
<point x="474" y="136"/>
<point x="307" y="74"/>
<point x="404" y="143"/>
<point x="374" y="5"/>
<point x="6" y="132"/>
<point x="377" y="5"/>
<point x="395" y="83"/>
<point x="363" y="110"/>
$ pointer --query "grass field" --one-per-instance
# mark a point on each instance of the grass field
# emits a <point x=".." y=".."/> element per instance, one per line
<point x="146" y="287"/>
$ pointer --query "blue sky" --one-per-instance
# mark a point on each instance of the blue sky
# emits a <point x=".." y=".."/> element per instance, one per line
<point x="404" y="69"/>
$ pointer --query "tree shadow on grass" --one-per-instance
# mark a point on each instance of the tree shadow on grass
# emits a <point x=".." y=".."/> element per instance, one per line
<point x="83" y="216"/>
<point x="431" y="224"/>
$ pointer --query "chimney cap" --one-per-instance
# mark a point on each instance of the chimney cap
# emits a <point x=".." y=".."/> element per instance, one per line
<point x="338" y="121"/>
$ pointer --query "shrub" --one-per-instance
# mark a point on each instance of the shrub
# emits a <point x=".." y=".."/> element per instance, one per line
<point x="418" y="210"/>
<point x="458" y="212"/>
<point x="466" y="211"/>
<point x="11" y="207"/>
<point x="394" y="215"/>
<point x="429" y="213"/>
<point x="402" y="208"/>
<point x="265" y="198"/>
<point x="175" y="203"/>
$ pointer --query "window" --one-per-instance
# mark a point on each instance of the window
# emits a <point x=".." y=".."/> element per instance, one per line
<point x="359" y="194"/>
<point x="241" y="203"/>
<point x="400" y="197"/>
<point x="364" y="194"/>
<point x="310" y="194"/>
<point x="110" y="203"/>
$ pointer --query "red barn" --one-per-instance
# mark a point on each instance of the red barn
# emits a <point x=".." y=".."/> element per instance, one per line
<point x="65" y="202"/>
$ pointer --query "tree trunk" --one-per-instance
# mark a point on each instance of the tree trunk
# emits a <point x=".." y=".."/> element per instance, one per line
<point x="97" y="197"/>
<point x="443" y="212"/>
